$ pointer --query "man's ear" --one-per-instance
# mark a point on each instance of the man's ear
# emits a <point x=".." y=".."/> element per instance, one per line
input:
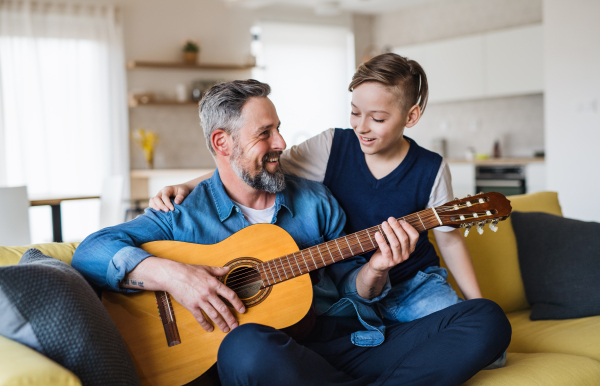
<point x="413" y="116"/>
<point x="220" y="141"/>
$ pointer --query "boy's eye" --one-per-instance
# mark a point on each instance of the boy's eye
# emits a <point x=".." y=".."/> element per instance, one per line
<point x="379" y="120"/>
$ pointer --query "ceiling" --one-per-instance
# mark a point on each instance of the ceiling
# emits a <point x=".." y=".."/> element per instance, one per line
<point x="335" y="7"/>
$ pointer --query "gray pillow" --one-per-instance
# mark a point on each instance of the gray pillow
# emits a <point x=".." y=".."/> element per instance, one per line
<point x="560" y="265"/>
<point x="48" y="306"/>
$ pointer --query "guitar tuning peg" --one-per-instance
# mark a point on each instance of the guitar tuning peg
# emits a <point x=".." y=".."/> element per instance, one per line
<point x="494" y="226"/>
<point x="467" y="229"/>
<point x="456" y="198"/>
<point x="480" y="192"/>
<point x="480" y="229"/>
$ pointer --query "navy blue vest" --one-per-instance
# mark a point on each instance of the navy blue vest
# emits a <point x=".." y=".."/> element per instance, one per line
<point x="368" y="201"/>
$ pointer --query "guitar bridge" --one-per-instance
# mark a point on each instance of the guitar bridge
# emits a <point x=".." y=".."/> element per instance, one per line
<point x="167" y="316"/>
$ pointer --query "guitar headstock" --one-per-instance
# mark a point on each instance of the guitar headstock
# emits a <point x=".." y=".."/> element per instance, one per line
<point x="478" y="210"/>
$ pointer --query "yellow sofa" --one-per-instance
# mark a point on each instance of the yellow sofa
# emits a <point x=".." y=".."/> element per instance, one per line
<point x="557" y="352"/>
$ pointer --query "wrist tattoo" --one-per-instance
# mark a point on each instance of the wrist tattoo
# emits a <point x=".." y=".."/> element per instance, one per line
<point x="372" y="292"/>
<point x="134" y="282"/>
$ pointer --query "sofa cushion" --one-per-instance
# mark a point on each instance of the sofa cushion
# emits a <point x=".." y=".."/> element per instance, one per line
<point x="570" y="336"/>
<point x="61" y="251"/>
<point x="54" y="310"/>
<point x="540" y="369"/>
<point x="495" y="256"/>
<point x="560" y="263"/>
<point x="20" y="365"/>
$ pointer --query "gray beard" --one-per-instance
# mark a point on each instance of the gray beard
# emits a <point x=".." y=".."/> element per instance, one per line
<point x="263" y="180"/>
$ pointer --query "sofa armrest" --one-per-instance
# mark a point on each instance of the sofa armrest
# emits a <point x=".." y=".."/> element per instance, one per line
<point x="20" y="365"/>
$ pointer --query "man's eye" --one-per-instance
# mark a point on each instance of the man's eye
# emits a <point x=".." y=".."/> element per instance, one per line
<point x="379" y="120"/>
<point x="266" y="132"/>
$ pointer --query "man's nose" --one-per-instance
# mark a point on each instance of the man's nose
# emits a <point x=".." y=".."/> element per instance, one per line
<point x="278" y="141"/>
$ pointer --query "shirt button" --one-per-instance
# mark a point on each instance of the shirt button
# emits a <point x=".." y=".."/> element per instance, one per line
<point x="237" y="209"/>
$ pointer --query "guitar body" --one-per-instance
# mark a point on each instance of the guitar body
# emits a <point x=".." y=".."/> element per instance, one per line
<point x="139" y="322"/>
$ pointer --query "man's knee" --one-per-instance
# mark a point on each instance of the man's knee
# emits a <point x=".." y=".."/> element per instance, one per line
<point x="245" y="349"/>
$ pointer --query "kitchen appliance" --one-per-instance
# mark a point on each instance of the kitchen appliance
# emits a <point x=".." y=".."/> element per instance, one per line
<point x="508" y="180"/>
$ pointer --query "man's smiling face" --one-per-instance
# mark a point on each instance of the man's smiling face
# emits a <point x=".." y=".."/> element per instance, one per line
<point x="258" y="145"/>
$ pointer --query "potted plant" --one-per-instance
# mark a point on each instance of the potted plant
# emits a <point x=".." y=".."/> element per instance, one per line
<point x="190" y="52"/>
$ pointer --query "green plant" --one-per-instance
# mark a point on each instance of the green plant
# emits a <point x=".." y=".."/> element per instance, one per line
<point x="191" y="46"/>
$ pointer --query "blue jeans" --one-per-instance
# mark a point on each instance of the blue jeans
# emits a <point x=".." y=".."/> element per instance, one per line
<point x="420" y="296"/>
<point x="445" y="348"/>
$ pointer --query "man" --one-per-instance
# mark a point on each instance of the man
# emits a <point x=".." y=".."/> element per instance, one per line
<point x="349" y="344"/>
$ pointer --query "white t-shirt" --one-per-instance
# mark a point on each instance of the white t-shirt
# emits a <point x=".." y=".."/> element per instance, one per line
<point x="257" y="216"/>
<point x="309" y="160"/>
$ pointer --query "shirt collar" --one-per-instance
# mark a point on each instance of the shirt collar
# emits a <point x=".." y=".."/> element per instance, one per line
<point x="225" y="206"/>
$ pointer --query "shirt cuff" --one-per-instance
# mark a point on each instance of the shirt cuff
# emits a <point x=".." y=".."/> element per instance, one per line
<point x="349" y="288"/>
<point x="121" y="264"/>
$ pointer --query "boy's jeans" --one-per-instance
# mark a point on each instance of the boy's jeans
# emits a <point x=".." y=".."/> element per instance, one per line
<point x="424" y="294"/>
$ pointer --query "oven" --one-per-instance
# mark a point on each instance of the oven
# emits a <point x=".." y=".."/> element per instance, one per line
<point x="508" y="180"/>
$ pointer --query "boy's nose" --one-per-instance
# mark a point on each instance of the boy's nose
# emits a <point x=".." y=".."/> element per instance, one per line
<point x="361" y="127"/>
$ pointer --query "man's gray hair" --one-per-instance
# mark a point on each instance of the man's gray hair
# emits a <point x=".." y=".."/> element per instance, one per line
<point x="221" y="106"/>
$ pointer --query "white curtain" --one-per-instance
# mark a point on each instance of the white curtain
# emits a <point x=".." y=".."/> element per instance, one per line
<point x="63" y="111"/>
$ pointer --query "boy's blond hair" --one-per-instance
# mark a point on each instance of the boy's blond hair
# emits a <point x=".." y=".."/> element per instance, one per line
<point x="403" y="77"/>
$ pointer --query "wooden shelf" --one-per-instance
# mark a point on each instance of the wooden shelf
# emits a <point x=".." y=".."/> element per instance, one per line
<point x="162" y="103"/>
<point x="133" y="64"/>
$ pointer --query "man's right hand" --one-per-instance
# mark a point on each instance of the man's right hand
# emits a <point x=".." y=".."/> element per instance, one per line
<point x="162" y="200"/>
<point x="193" y="286"/>
<point x="197" y="289"/>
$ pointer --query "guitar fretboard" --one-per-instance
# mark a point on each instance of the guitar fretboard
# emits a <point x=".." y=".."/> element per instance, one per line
<point x="319" y="256"/>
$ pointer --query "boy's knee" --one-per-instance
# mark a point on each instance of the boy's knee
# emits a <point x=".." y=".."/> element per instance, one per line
<point x="493" y="322"/>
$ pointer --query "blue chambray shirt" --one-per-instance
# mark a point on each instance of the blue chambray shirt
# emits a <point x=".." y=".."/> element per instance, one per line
<point x="305" y="209"/>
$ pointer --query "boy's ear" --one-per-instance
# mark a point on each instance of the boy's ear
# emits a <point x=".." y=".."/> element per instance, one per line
<point x="221" y="142"/>
<point x="413" y="116"/>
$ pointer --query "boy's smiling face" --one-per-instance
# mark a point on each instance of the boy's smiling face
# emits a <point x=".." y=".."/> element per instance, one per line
<point x="378" y="119"/>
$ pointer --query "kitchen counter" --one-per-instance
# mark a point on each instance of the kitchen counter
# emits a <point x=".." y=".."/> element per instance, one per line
<point x="497" y="161"/>
<point x="146" y="183"/>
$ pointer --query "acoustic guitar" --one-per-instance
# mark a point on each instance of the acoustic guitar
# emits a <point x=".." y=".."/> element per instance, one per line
<point x="268" y="273"/>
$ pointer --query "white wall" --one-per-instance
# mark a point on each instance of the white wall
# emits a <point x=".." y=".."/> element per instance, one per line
<point x="572" y="104"/>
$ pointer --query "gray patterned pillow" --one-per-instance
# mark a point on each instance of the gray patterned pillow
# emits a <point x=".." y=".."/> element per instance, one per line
<point x="48" y="306"/>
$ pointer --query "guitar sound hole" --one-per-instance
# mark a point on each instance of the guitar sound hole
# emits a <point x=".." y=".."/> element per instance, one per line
<point x="244" y="281"/>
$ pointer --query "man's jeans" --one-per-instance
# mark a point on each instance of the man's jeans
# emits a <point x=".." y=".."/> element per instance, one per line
<point x="445" y="348"/>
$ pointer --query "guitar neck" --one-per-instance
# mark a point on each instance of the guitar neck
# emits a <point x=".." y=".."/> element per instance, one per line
<point x="321" y="255"/>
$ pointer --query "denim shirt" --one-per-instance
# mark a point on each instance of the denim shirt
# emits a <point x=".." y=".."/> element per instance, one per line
<point x="305" y="209"/>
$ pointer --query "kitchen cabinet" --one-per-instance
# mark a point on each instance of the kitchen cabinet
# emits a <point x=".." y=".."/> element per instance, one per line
<point x="463" y="179"/>
<point x="535" y="177"/>
<point x="493" y="64"/>
<point x="514" y="62"/>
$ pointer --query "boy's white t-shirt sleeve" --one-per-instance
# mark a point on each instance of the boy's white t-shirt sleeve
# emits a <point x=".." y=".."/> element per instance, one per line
<point x="441" y="192"/>
<point x="309" y="159"/>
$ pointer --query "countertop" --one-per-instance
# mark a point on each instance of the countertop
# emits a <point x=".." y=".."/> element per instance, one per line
<point x="497" y="161"/>
<point x="153" y="173"/>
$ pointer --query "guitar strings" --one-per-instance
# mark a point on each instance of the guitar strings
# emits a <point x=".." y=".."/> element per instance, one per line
<point x="238" y="279"/>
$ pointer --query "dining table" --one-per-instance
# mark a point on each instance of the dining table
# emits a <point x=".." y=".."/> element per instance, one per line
<point x="54" y="202"/>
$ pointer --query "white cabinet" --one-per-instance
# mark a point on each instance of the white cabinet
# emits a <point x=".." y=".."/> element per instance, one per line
<point x="455" y="69"/>
<point x="535" y="177"/>
<point x="493" y="64"/>
<point x="463" y="179"/>
<point x="514" y="62"/>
